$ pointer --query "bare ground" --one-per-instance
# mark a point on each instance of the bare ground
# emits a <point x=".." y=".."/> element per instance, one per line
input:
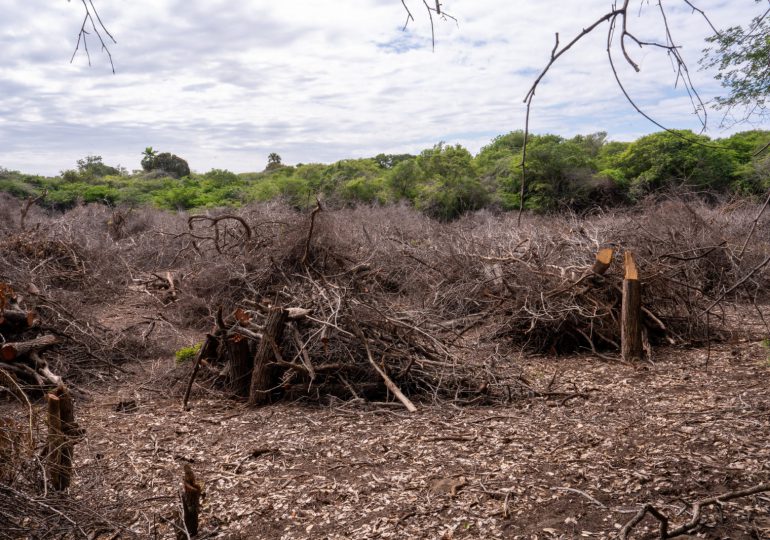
<point x="687" y="427"/>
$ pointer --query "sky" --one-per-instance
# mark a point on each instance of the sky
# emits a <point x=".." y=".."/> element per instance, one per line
<point x="223" y="84"/>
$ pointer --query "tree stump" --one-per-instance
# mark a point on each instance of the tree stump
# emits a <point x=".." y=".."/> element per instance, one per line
<point x="631" y="312"/>
<point x="191" y="498"/>
<point x="263" y="377"/>
<point x="63" y="433"/>
<point x="240" y="365"/>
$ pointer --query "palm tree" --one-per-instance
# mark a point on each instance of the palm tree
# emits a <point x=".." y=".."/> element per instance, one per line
<point x="148" y="157"/>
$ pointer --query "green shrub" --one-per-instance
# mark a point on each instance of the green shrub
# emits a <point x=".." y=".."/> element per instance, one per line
<point x="187" y="354"/>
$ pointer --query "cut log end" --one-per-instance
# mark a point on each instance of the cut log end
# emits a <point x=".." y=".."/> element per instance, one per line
<point x="603" y="261"/>
<point x="631" y="271"/>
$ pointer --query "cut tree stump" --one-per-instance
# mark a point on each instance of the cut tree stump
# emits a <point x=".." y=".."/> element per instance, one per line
<point x="240" y="364"/>
<point x="631" y="344"/>
<point x="191" y="497"/>
<point x="263" y="376"/>
<point x="63" y="433"/>
<point x="11" y="351"/>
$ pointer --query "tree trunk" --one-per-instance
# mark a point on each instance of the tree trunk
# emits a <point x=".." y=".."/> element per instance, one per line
<point x="63" y="433"/>
<point x="11" y="351"/>
<point x="631" y="313"/>
<point x="191" y="496"/>
<point x="263" y="377"/>
<point x="240" y="360"/>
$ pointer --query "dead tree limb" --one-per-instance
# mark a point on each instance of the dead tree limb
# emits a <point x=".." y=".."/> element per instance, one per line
<point x="207" y="350"/>
<point x="27" y="205"/>
<point x="617" y="18"/>
<point x="310" y="232"/>
<point x="387" y="380"/>
<point x="754" y="225"/>
<point x="95" y="24"/>
<point x="11" y="351"/>
<point x="697" y="509"/>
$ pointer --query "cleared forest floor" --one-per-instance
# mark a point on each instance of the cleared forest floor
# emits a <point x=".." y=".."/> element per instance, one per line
<point x="687" y="427"/>
<point x="566" y="446"/>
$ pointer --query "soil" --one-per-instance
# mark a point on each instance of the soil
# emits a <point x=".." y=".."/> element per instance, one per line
<point x="689" y="426"/>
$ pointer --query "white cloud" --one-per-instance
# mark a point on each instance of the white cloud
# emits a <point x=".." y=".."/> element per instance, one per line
<point x="223" y="83"/>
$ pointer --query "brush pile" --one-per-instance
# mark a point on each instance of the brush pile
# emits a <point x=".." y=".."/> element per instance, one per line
<point x="402" y="300"/>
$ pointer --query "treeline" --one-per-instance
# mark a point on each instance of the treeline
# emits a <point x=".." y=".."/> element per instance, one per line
<point x="444" y="181"/>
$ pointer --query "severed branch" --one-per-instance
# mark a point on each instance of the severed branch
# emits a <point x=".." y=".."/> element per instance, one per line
<point x="94" y="21"/>
<point x="697" y="507"/>
<point x="387" y="380"/>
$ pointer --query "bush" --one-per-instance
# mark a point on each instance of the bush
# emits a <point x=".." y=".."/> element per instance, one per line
<point x="187" y="354"/>
<point x="169" y="163"/>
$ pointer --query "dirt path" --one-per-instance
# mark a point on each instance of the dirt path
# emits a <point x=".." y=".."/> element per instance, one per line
<point x="666" y="434"/>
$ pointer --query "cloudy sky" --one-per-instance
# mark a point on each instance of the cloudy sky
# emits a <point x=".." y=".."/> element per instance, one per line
<point x="224" y="83"/>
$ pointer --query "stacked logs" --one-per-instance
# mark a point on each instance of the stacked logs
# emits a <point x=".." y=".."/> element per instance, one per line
<point x="24" y="343"/>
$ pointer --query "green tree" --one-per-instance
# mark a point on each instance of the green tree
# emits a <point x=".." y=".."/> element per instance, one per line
<point x="93" y="166"/>
<point x="273" y="162"/>
<point x="449" y="184"/>
<point x="560" y="172"/>
<point x="742" y="56"/>
<point x="147" y="158"/>
<point x="665" y="160"/>
<point x="166" y="162"/>
<point x="388" y="161"/>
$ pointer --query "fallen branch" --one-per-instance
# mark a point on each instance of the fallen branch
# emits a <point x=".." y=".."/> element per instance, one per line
<point x="697" y="507"/>
<point x="388" y="382"/>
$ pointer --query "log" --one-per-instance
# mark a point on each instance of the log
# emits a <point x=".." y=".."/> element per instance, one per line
<point x="603" y="261"/>
<point x="191" y="496"/>
<point x="631" y="344"/>
<point x="294" y="313"/>
<point x="17" y="319"/>
<point x="264" y="376"/>
<point x="24" y="373"/>
<point x="11" y="351"/>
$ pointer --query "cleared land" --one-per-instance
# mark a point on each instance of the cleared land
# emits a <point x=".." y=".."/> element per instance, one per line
<point x="562" y="442"/>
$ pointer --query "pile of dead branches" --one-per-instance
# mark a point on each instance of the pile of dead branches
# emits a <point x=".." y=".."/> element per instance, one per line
<point x="385" y="296"/>
<point x="316" y="318"/>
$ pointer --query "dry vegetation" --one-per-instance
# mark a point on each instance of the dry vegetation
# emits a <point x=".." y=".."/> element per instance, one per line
<point x="477" y="322"/>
